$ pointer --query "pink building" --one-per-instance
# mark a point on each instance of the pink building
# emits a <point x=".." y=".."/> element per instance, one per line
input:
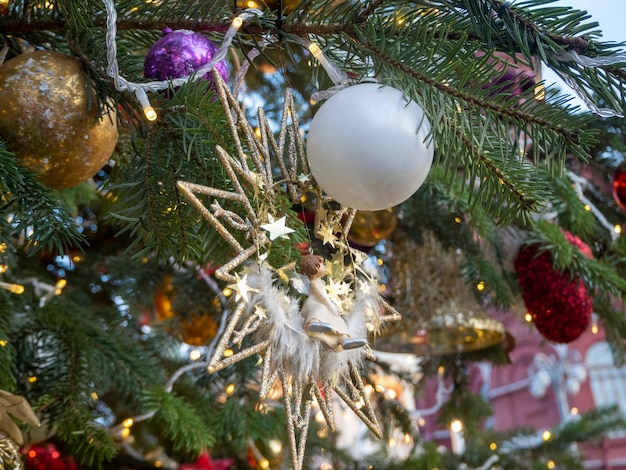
<point x="546" y="384"/>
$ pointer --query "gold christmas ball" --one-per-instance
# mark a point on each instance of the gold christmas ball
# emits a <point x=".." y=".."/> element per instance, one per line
<point x="49" y="118"/>
<point x="370" y="227"/>
<point x="266" y="454"/>
<point x="194" y="329"/>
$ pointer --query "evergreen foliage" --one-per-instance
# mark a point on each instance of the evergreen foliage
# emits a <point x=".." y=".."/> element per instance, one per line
<point x="97" y="354"/>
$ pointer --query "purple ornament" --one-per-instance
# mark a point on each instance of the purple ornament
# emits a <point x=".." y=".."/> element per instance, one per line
<point x="179" y="53"/>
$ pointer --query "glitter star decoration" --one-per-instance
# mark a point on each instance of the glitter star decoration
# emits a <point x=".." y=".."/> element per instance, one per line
<point x="264" y="318"/>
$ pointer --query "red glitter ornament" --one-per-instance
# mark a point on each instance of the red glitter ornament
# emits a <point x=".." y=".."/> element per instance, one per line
<point x="560" y="305"/>
<point x="619" y="187"/>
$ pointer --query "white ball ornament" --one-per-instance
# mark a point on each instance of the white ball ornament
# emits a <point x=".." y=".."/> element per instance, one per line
<point x="369" y="147"/>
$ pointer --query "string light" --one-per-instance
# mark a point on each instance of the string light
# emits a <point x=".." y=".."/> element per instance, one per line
<point x="617" y="228"/>
<point x="550" y="464"/>
<point x="195" y="354"/>
<point x="128" y="422"/>
<point x="546" y="436"/>
<point x="480" y="286"/>
<point x="13" y="288"/>
<point x="528" y="317"/>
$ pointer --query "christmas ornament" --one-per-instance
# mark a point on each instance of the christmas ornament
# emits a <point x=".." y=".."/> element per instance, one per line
<point x="10" y="456"/>
<point x="269" y="298"/>
<point x="18" y="407"/>
<point x="50" y="118"/>
<point x="195" y="329"/>
<point x="560" y="306"/>
<point x="266" y="455"/>
<point x="426" y="279"/>
<point x="205" y="462"/>
<point x="619" y="186"/>
<point x="369" y="148"/>
<point x="179" y="53"/>
<point x="47" y="456"/>
<point x="370" y="227"/>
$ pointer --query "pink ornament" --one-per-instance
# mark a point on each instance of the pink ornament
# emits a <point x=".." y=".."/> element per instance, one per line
<point x="180" y="53"/>
<point x="560" y="305"/>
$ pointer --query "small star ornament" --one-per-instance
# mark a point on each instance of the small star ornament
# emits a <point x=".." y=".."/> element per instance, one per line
<point x="277" y="228"/>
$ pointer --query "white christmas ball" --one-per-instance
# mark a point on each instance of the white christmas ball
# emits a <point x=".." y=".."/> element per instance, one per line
<point x="368" y="147"/>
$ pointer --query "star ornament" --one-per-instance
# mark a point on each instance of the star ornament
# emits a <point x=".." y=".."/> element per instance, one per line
<point x="264" y="317"/>
<point x="277" y="228"/>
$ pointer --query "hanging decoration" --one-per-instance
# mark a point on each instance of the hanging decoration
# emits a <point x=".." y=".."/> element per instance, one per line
<point x="369" y="147"/>
<point x="441" y="313"/>
<point x="270" y="294"/>
<point x="560" y="305"/>
<point x="10" y="434"/>
<point x="180" y="53"/>
<point x="196" y="329"/>
<point x="51" y="120"/>
<point x="370" y="227"/>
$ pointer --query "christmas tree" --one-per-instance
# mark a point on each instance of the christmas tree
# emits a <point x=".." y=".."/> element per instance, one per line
<point x="219" y="218"/>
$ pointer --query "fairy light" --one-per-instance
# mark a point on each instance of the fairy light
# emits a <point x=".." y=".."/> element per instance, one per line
<point x="3" y="343"/>
<point x="550" y="464"/>
<point x="587" y="207"/>
<point x="493" y="446"/>
<point x="32" y="379"/>
<point x="546" y="436"/>
<point x="3" y="268"/>
<point x="227" y="292"/>
<point x="128" y="422"/>
<point x="94" y="396"/>
<point x="594" y="323"/>
<point x="480" y="286"/>
<point x="391" y="442"/>
<point x="457" y="220"/>
<point x="230" y="389"/>
<point x="574" y="410"/>
<point x="61" y="283"/>
<point x="617" y="228"/>
<point x="195" y="354"/>
<point x="528" y="317"/>
<point x="150" y="113"/>
<point x="13" y="288"/>
<point x="125" y="432"/>
<point x="228" y="352"/>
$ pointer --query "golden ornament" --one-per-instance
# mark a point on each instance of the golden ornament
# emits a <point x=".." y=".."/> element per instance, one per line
<point x="370" y="227"/>
<point x="49" y="118"/>
<point x="195" y="329"/>
<point x="266" y="454"/>
<point x="441" y="313"/>
<point x="10" y="456"/>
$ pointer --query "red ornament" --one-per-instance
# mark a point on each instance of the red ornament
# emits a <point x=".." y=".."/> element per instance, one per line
<point x="47" y="457"/>
<point x="619" y="187"/>
<point x="205" y="462"/>
<point x="559" y="304"/>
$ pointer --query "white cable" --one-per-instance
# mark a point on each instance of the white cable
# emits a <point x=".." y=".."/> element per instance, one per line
<point x="579" y="184"/>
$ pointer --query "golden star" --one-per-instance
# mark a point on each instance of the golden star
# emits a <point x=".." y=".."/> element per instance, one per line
<point x="241" y="288"/>
<point x="328" y="237"/>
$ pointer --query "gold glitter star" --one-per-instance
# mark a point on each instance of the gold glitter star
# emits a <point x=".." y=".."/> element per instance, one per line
<point x="328" y="237"/>
<point x="241" y="288"/>
<point x="263" y="304"/>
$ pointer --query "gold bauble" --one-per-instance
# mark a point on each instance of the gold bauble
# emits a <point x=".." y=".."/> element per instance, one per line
<point x="370" y="227"/>
<point x="49" y="118"/>
<point x="266" y="454"/>
<point x="194" y="329"/>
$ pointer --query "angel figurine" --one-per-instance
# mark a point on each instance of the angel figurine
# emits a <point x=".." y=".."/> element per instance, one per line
<point x="321" y="316"/>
